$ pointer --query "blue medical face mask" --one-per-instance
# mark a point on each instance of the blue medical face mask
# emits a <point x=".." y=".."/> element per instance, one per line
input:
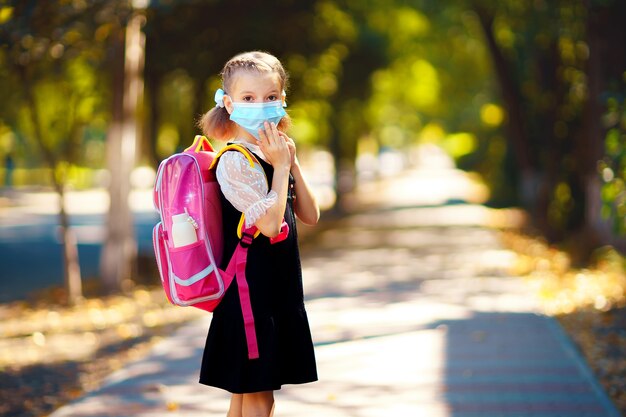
<point x="251" y="116"/>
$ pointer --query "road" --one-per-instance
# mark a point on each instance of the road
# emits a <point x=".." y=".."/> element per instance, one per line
<point x="30" y="252"/>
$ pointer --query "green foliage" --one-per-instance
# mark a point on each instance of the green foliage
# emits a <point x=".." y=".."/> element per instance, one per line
<point x="177" y="109"/>
<point x="612" y="168"/>
<point x="357" y="68"/>
<point x="54" y="92"/>
<point x="385" y="73"/>
<point x="551" y="70"/>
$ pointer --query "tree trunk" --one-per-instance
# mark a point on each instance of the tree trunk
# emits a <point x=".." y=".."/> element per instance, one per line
<point x="604" y="67"/>
<point x="554" y="146"/>
<point x="590" y="141"/>
<point x="342" y="176"/>
<point x="516" y="129"/>
<point x="154" y="116"/>
<point x="71" y="272"/>
<point x="120" y="250"/>
<point x="71" y="266"/>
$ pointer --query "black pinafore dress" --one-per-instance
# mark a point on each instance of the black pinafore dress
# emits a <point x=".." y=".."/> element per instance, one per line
<point x="274" y="276"/>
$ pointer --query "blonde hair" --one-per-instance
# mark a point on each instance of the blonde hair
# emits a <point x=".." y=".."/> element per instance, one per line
<point x="216" y="122"/>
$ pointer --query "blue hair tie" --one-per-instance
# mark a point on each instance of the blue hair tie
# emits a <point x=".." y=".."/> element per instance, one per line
<point x="219" y="98"/>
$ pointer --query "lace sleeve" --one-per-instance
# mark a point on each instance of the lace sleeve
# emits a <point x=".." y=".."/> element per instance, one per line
<point x="245" y="187"/>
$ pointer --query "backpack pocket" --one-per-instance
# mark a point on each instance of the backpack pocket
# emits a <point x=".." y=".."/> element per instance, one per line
<point x="213" y="219"/>
<point x="160" y="253"/>
<point x="193" y="278"/>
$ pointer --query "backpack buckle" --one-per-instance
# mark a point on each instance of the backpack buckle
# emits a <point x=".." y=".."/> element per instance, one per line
<point x="246" y="239"/>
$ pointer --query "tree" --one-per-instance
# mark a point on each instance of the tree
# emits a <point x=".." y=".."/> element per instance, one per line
<point x="553" y="64"/>
<point x="119" y="252"/>
<point x="58" y="54"/>
<point x="46" y="55"/>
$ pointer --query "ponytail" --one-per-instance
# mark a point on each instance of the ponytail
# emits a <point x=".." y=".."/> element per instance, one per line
<point x="216" y="124"/>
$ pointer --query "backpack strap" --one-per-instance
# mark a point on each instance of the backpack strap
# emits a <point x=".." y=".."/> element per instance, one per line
<point x="236" y="268"/>
<point x="235" y="147"/>
<point x="200" y="143"/>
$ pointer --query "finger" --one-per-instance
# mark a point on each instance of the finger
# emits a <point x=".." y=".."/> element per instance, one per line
<point x="269" y="134"/>
<point x="276" y="133"/>
<point x="286" y="138"/>
<point x="262" y="137"/>
<point x="263" y="132"/>
<point x="275" y="130"/>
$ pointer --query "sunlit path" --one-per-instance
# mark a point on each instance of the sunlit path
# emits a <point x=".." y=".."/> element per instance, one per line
<point x="414" y="313"/>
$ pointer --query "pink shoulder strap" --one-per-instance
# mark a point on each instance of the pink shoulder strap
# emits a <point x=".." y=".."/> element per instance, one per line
<point x="237" y="268"/>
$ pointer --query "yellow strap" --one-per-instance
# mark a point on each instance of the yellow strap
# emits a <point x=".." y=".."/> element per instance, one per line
<point x="241" y="227"/>
<point x="198" y="143"/>
<point x="235" y="147"/>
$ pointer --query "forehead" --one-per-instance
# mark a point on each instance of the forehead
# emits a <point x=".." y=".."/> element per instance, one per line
<point x="256" y="82"/>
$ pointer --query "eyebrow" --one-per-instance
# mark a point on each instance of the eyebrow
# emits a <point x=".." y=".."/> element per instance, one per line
<point x="252" y="92"/>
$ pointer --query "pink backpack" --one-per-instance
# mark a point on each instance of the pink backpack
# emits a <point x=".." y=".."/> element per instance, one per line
<point x="186" y="187"/>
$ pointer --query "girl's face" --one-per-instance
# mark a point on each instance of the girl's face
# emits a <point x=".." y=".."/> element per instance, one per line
<point x="254" y="88"/>
<point x="250" y="87"/>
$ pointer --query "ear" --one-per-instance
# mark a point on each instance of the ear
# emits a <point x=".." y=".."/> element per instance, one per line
<point x="228" y="104"/>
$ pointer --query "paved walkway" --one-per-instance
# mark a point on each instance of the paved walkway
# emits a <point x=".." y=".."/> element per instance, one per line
<point x="413" y="313"/>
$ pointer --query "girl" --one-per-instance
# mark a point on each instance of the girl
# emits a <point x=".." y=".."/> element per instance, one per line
<point x="250" y="112"/>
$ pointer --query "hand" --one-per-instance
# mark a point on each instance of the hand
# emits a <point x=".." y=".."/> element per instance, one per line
<point x="273" y="146"/>
<point x="291" y="145"/>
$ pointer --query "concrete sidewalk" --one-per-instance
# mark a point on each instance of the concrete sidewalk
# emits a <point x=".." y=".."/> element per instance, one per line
<point x="413" y="312"/>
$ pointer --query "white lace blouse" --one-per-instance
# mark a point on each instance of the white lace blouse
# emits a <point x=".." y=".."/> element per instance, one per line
<point x="245" y="187"/>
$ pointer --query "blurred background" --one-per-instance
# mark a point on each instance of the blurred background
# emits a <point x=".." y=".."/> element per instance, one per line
<point x="527" y="97"/>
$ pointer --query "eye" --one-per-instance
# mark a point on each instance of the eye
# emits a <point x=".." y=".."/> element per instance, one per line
<point x="248" y="98"/>
<point x="272" y="97"/>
